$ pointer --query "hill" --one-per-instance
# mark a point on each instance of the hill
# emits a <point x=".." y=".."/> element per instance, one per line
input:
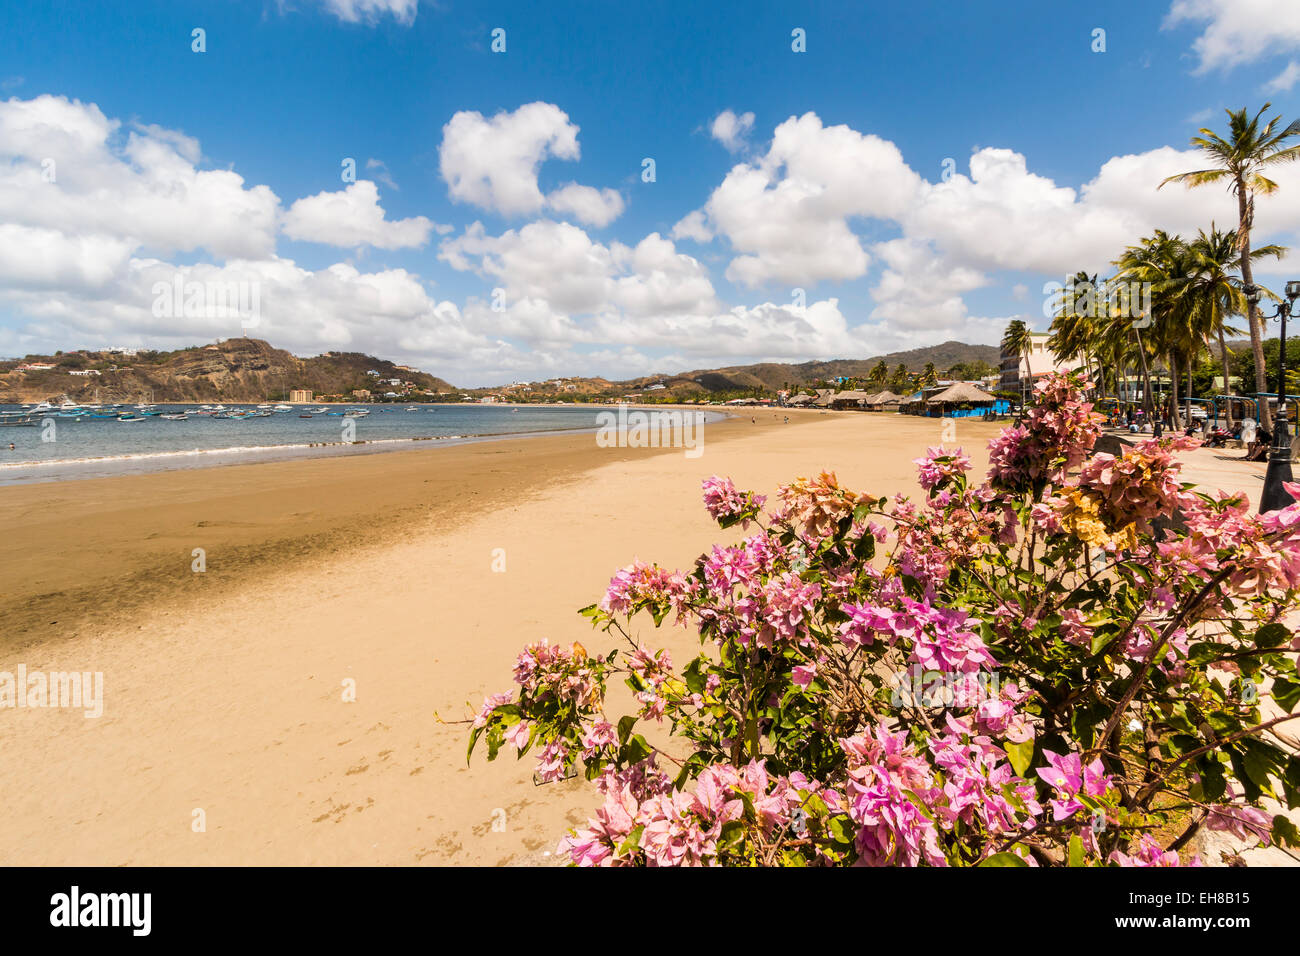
<point x="236" y="370"/>
<point x="774" y="375"/>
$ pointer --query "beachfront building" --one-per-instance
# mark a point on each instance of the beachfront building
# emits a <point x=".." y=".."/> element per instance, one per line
<point x="300" y="396"/>
<point x="964" y="400"/>
<point x="1023" y="370"/>
<point x="850" y="398"/>
<point x="883" y="401"/>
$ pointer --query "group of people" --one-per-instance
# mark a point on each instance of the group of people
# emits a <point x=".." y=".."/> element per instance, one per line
<point x="1256" y="438"/>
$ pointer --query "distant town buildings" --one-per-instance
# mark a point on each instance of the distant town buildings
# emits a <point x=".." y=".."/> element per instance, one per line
<point x="300" y="396"/>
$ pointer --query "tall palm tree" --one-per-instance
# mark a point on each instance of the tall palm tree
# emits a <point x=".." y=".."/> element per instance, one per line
<point x="1240" y="159"/>
<point x="1214" y="293"/>
<point x="879" y="373"/>
<point x="929" y="375"/>
<point x="900" y="377"/>
<point x="1075" y="328"/>
<point x="1018" y="341"/>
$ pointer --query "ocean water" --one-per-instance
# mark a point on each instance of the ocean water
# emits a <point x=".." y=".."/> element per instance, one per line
<point x="85" y="447"/>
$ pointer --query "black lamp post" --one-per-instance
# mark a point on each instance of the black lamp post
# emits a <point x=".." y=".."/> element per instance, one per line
<point x="1274" y="496"/>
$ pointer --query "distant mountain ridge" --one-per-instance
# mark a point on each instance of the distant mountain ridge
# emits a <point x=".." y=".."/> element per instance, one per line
<point x="252" y="370"/>
<point x="776" y="375"/>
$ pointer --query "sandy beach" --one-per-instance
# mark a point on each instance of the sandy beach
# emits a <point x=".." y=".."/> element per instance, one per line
<point x="224" y="690"/>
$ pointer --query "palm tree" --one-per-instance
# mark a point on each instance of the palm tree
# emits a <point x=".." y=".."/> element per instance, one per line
<point x="928" y="375"/>
<point x="1215" y="293"/>
<point x="1018" y="340"/>
<point x="1150" y="264"/>
<point x="899" y="379"/>
<point x="1240" y="159"/>
<point x="879" y="373"/>
<point x="1075" y="331"/>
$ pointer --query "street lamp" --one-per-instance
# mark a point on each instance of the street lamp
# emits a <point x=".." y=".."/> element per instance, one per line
<point x="1274" y="496"/>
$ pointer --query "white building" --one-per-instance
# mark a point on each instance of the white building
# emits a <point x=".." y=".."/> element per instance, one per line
<point x="1036" y="363"/>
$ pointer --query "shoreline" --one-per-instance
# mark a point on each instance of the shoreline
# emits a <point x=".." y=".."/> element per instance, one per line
<point x="32" y="472"/>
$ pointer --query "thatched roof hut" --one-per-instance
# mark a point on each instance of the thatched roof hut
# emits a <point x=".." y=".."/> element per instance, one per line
<point x="884" y="398"/>
<point x="962" y="393"/>
<point x="850" y="398"/>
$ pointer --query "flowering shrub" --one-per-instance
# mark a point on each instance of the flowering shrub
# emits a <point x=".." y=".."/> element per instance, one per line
<point x="1063" y="665"/>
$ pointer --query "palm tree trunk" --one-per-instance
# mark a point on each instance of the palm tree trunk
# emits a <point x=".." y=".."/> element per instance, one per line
<point x="1227" y="388"/>
<point x="1175" y="422"/>
<point x="1245" y="216"/>
<point x="1146" y="377"/>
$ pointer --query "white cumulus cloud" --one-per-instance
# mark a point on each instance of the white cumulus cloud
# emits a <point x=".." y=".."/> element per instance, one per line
<point x="353" y="217"/>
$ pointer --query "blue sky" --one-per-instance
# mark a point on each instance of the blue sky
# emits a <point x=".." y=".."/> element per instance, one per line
<point x="888" y="252"/>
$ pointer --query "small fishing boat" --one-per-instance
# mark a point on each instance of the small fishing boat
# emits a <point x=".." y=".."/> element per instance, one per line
<point x="181" y="417"/>
<point x="304" y="416"/>
<point x="319" y="411"/>
<point x="16" y="419"/>
<point x="131" y="418"/>
<point x="283" y="408"/>
<point x="356" y="413"/>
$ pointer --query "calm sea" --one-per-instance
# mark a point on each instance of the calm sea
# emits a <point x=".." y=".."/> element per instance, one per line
<point x="60" y="447"/>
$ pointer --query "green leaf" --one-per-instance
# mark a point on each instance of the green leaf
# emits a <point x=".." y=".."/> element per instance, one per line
<point x="696" y="679"/>
<point x="841" y="829"/>
<point x="1075" y="852"/>
<point x="632" y="841"/>
<point x="1286" y="693"/>
<point x="1258" y="766"/>
<point x="1271" y="635"/>
<point x="625" y="727"/>
<point x="1285" y="832"/>
<point x="634" y="751"/>
<point x="1005" y="859"/>
<point x="1020" y="755"/>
